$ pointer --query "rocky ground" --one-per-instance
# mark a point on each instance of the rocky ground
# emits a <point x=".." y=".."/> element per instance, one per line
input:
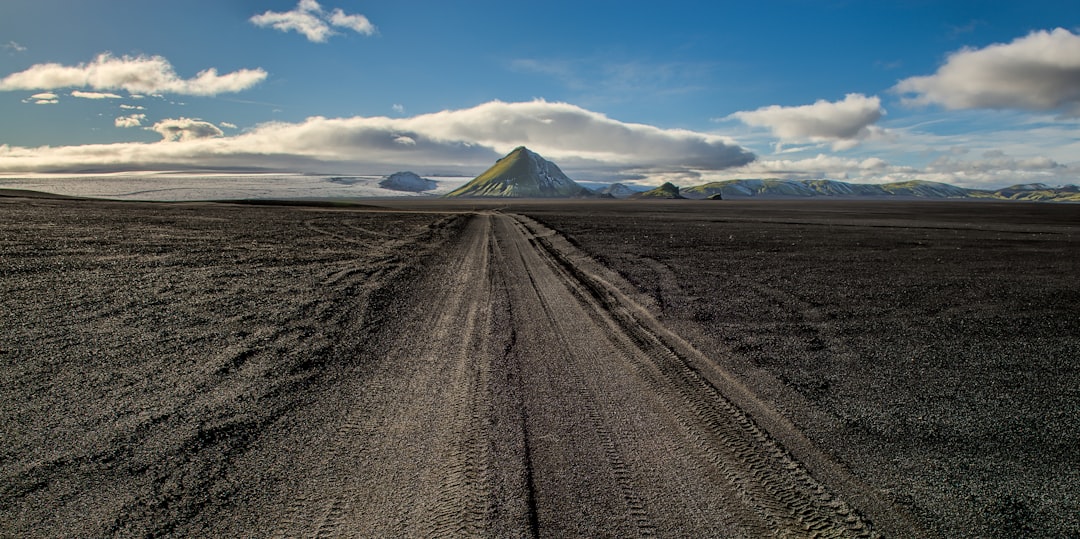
<point x="433" y="368"/>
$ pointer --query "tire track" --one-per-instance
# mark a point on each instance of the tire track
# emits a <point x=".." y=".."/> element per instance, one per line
<point x="421" y="450"/>
<point x="765" y="476"/>
<point x="636" y="511"/>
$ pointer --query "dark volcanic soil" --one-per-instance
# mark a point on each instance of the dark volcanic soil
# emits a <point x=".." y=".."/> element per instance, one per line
<point x="147" y="350"/>
<point x="752" y="369"/>
<point x="934" y="348"/>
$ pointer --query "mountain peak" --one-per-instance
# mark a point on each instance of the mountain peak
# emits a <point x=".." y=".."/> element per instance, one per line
<point x="522" y="173"/>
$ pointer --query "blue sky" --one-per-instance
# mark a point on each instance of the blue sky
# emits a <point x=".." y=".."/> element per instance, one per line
<point x="973" y="93"/>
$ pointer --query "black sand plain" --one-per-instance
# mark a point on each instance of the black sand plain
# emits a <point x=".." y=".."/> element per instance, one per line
<point x="678" y="368"/>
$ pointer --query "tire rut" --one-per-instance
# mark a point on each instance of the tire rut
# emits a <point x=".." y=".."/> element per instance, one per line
<point x="636" y="511"/>
<point x="416" y="454"/>
<point x="766" y="477"/>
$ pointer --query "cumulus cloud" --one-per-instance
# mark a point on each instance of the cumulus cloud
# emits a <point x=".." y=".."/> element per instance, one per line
<point x="842" y="123"/>
<point x="185" y="129"/>
<point x="133" y="120"/>
<point x="1040" y="71"/>
<point x="136" y="75"/>
<point x="309" y="19"/>
<point x="132" y="107"/>
<point x="227" y="124"/>
<point x="455" y="141"/>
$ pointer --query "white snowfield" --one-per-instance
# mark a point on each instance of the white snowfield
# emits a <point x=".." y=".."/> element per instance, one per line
<point x="189" y="187"/>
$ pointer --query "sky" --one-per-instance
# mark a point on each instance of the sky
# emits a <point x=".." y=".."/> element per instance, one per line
<point x="973" y="93"/>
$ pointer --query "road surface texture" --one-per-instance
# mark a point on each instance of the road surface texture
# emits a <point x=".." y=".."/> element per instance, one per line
<point x="227" y="370"/>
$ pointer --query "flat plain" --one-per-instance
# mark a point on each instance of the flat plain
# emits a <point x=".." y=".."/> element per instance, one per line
<point x="421" y="367"/>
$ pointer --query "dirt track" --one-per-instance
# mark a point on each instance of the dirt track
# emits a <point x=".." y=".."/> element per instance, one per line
<point x="531" y="407"/>
<point x="202" y="370"/>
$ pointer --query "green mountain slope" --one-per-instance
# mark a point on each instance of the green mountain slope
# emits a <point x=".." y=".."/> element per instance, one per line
<point x="522" y="174"/>
<point x="777" y="188"/>
<point x="668" y="190"/>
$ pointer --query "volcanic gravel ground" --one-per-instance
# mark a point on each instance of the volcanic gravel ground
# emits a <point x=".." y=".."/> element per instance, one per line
<point x="149" y="353"/>
<point x="932" y="348"/>
<point x="749" y="370"/>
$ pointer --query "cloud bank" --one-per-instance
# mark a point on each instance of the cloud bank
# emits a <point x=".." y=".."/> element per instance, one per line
<point x="310" y="20"/>
<point x="455" y="141"/>
<point x="1040" y="71"/>
<point x="136" y="75"/>
<point x="842" y="123"/>
<point x="993" y="169"/>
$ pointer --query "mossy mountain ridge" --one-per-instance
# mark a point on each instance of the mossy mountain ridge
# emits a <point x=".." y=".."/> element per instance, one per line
<point x="914" y="189"/>
<point x="666" y="191"/>
<point x="522" y="174"/>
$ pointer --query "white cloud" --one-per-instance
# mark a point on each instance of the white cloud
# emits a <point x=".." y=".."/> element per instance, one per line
<point x="132" y="107"/>
<point x="310" y="20"/>
<point x="94" y="95"/>
<point x="1040" y="71"/>
<point x="398" y="108"/>
<point x="565" y="131"/>
<point x="186" y="129"/>
<point x="842" y="123"/>
<point x="46" y="98"/>
<point x="136" y="75"/>
<point x="357" y="23"/>
<point x="227" y="124"/>
<point x="14" y="47"/>
<point x="134" y="120"/>
<point x="455" y="141"/>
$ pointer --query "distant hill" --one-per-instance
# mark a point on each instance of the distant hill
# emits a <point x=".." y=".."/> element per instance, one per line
<point x="666" y="191"/>
<point x="618" y="190"/>
<point x="522" y="174"/>
<point x="407" y="181"/>
<point x="777" y="188"/>
<point x="1039" y="192"/>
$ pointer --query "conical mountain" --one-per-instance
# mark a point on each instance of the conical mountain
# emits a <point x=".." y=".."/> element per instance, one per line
<point x="522" y="174"/>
